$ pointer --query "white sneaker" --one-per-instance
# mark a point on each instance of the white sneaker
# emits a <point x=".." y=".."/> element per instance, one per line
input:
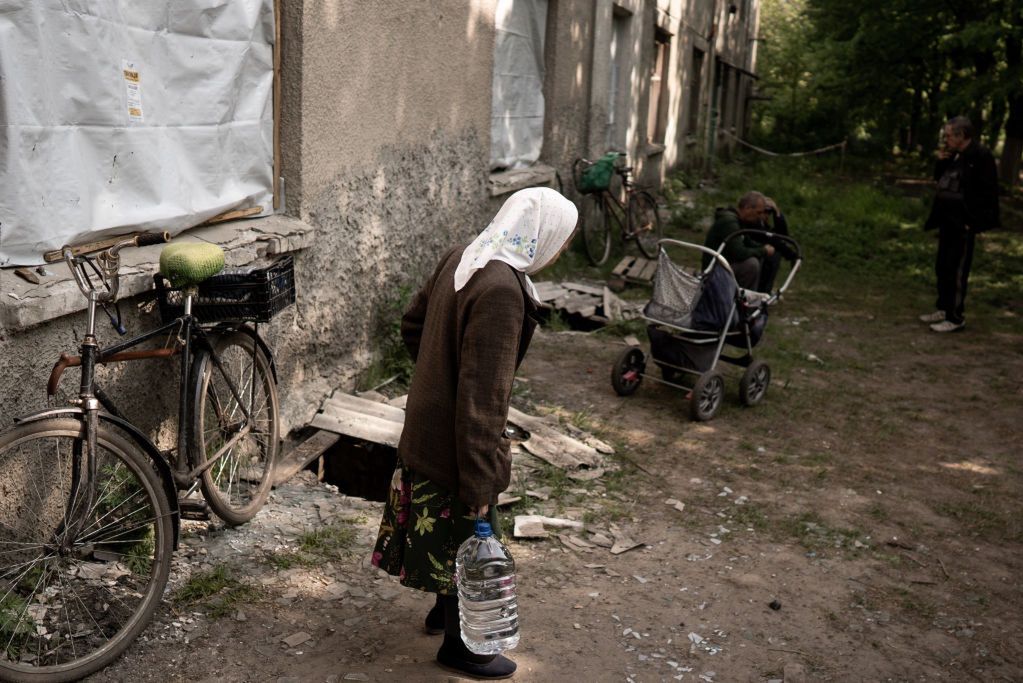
<point x="948" y="326"/>
<point x="935" y="317"/>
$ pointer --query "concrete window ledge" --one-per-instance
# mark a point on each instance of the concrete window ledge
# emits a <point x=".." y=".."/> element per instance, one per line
<point x="504" y="182"/>
<point x="244" y="241"/>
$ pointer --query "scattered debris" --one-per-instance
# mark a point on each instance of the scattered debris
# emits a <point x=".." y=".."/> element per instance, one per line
<point x="677" y="504"/>
<point x="552" y="446"/>
<point x="775" y="605"/>
<point x="534" y="526"/>
<point x="622" y="542"/>
<point x="27" y="274"/>
<point x="596" y="303"/>
<point x="296" y="639"/>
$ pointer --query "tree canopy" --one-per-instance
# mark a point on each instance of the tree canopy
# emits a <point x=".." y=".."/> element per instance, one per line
<point x="887" y="75"/>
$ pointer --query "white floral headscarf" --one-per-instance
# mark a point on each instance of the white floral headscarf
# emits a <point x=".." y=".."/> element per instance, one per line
<point x="527" y="234"/>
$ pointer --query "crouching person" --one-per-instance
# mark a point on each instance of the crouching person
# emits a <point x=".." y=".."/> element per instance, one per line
<point x="754" y="260"/>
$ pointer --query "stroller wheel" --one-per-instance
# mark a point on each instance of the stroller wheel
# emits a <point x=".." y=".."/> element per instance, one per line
<point x="706" y="398"/>
<point x="627" y="372"/>
<point x="753" y="385"/>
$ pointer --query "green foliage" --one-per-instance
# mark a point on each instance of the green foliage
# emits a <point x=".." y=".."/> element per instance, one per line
<point x="217" y="591"/>
<point x="863" y="243"/>
<point x="391" y="358"/>
<point x="884" y="74"/>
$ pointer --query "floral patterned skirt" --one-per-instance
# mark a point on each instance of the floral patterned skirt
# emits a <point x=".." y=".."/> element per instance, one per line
<point x="422" y="527"/>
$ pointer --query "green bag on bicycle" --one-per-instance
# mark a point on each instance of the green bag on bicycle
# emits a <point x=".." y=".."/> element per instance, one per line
<point x="597" y="177"/>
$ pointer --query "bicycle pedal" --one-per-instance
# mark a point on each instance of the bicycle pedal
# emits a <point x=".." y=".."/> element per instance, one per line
<point x="194" y="509"/>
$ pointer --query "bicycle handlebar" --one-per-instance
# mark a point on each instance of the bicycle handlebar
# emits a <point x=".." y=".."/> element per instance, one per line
<point x="109" y="261"/>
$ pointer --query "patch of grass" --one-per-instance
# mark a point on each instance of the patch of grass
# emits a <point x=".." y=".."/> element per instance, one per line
<point x="878" y="512"/>
<point x="288" y="560"/>
<point x="914" y="604"/>
<point x="203" y="585"/>
<point x="216" y="591"/>
<point x="391" y="358"/>
<point x="329" y="541"/>
<point x="749" y="515"/>
<point x="980" y="517"/>
<point x="810" y="530"/>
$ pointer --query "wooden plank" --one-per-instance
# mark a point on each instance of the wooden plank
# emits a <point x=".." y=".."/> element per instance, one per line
<point x="360" y="426"/>
<point x="623" y="265"/>
<point x="580" y="301"/>
<point x="550" y="292"/>
<point x="303" y="454"/>
<point x="580" y="287"/>
<point x="649" y="268"/>
<point x="232" y="215"/>
<point x="342" y="401"/>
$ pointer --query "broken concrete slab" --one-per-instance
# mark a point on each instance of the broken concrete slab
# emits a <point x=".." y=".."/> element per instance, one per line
<point x="534" y="526"/>
<point x="551" y="445"/>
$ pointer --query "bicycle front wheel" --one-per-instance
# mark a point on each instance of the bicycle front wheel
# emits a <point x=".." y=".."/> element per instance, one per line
<point x="84" y="551"/>
<point x="645" y="223"/>
<point x="595" y="228"/>
<point x="236" y="426"/>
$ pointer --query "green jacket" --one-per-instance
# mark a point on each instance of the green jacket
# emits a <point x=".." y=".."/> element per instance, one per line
<point x="726" y="221"/>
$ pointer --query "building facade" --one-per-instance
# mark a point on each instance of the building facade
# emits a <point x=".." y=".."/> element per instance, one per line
<point x="401" y="127"/>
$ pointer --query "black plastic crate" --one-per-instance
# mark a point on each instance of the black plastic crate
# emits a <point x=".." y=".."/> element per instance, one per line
<point x="253" y="295"/>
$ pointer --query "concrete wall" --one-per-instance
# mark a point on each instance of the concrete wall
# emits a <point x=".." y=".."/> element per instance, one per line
<point x="388" y="147"/>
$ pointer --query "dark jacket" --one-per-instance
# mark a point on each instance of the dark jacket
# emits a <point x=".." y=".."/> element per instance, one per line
<point x="726" y="221"/>
<point x="967" y="192"/>
<point x="466" y="346"/>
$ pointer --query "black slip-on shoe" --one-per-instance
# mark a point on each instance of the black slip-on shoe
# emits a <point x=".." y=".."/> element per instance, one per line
<point x="497" y="668"/>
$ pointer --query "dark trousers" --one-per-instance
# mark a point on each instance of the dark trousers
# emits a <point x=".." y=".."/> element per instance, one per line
<point x="757" y="274"/>
<point x="952" y="267"/>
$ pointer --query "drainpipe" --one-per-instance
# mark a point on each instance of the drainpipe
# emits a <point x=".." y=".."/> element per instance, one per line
<point x="709" y="127"/>
<point x="600" y="76"/>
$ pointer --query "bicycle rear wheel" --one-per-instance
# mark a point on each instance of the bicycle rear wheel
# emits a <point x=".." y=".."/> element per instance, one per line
<point x="245" y="439"/>
<point x="83" y="561"/>
<point x="645" y="223"/>
<point x="595" y="229"/>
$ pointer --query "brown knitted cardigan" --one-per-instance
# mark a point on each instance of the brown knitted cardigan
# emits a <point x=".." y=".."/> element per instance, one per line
<point x="466" y="346"/>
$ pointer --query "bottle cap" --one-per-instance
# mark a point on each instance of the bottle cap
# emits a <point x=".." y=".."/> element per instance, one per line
<point x="483" y="529"/>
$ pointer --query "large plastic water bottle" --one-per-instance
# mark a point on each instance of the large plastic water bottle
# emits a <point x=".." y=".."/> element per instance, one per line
<point x="487" y="609"/>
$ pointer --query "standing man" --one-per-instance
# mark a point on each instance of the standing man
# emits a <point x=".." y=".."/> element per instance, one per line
<point x="965" y="203"/>
<point x="754" y="263"/>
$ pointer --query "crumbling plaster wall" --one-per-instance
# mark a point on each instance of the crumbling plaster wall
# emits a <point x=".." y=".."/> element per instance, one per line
<point x="386" y="123"/>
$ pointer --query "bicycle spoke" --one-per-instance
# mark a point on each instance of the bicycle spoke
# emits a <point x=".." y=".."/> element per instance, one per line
<point x="67" y="617"/>
<point x="24" y="611"/>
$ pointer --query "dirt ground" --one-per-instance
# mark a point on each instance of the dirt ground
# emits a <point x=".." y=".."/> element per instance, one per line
<point x="874" y="498"/>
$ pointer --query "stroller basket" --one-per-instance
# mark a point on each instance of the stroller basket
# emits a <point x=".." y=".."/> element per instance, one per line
<point x="253" y="294"/>
<point x="675" y="294"/>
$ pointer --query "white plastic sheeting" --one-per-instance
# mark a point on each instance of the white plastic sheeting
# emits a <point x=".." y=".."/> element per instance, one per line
<point x="124" y="115"/>
<point x="516" y="128"/>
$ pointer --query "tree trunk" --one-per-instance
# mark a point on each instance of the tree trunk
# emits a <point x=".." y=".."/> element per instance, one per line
<point x="1009" y="166"/>
<point x="914" y="119"/>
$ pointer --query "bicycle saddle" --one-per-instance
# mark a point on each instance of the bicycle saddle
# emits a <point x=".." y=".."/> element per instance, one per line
<point x="189" y="263"/>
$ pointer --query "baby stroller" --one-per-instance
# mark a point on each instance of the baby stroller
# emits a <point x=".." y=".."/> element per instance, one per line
<point x="691" y="316"/>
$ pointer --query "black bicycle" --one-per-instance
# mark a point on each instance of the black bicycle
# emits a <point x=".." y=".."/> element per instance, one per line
<point x="89" y="507"/>
<point x="636" y="217"/>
